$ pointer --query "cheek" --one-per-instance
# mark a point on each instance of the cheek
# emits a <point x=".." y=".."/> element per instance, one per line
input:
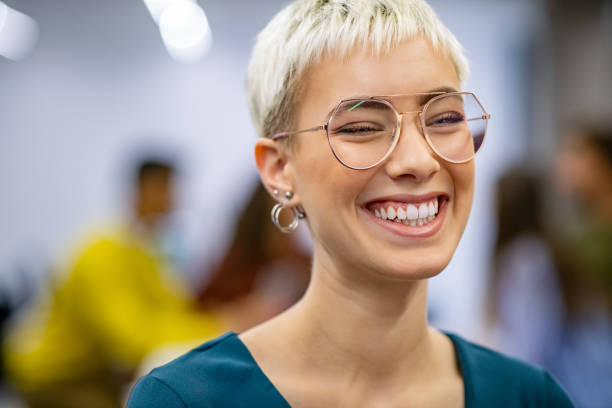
<point x="314" y="177"/>
<point x="327" y="190"/>
<point x="322" y="185"/>
<point x="314" y="168"/>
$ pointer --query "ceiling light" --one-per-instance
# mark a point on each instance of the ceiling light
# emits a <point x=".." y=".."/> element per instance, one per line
<point x="18" y="33"/>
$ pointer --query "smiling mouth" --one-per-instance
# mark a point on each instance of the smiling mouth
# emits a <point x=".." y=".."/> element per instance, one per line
<point x="415" y="214"/>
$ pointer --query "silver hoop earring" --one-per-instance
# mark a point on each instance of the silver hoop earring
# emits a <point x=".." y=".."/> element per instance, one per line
<point x="297" y="216"/>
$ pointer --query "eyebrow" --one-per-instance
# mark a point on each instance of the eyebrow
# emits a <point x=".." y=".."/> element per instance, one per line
<point x="424" y="97"/>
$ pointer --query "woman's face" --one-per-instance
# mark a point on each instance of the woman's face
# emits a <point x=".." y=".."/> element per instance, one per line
<point x="341" y="203"/>
<point x="582" y="170"/>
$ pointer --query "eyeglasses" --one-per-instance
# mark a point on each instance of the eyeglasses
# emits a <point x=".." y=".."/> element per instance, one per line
<point x="362" y="133"/>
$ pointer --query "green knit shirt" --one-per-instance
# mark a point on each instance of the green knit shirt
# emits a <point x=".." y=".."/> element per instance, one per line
<point x="223" y="374"/>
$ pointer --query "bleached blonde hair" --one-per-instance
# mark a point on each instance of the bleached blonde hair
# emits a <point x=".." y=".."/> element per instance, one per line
<point x="306" y="30"/>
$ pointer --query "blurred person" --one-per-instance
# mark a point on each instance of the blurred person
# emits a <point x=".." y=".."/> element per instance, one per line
<point x="525" y="309"/>
<point x="584" y="174"/>
<point x="116" y="302"/>
<point x="365" y="136"/>
<point x="584" y="351"/>
<point x="262" y="269"/>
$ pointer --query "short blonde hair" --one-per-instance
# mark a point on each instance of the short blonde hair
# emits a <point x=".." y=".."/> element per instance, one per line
<point x="306" y="30"/>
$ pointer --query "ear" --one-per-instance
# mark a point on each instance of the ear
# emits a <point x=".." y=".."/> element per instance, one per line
<point x="271" y="160"/>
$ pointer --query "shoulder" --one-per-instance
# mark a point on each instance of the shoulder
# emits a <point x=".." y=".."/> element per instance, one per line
<point x="153" y="392"/>
<point x="491" y="377"/>
<point x="96" y="246"/>
<point x="195" y="375"/>
<point x="204" y="377"/>
<point x="108" y="251"/>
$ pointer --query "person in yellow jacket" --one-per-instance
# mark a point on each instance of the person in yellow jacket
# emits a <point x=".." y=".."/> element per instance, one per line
<point x="81" y="345"/>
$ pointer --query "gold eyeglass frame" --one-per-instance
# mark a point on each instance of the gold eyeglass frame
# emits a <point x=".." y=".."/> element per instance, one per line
<point x="397" y="131"/>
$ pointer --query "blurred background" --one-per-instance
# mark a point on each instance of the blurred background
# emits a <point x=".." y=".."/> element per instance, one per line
<point x="126" y="145"/>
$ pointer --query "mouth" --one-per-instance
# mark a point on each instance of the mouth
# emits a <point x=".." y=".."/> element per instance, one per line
<point x="418" y="216"/>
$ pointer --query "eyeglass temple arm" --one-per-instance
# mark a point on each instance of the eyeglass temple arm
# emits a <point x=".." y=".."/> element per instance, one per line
<point x="487" y="116"/>
<point x="284" y="134"/>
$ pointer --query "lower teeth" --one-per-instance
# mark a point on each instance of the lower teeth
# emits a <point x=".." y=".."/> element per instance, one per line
<point x="418" y="222"/>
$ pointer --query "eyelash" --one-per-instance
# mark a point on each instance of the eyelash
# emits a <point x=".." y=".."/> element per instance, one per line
<point x="454" y="117"/>
<point x="357" y="128"/>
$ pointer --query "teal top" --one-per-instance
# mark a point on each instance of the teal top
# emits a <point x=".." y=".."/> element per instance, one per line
<point x="223" y="373"/>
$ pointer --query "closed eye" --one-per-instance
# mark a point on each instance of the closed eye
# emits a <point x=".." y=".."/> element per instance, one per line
<point x="359" y="128"/>
<point x="446" y="119"/>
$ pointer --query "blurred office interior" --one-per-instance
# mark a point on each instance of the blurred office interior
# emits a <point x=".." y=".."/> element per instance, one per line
<point x="96" y="85"/>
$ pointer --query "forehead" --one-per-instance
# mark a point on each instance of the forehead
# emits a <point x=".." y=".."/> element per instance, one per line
<point x="414" y="66"/>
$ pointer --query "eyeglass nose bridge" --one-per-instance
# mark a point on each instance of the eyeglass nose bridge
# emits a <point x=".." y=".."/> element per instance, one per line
<point x="419" y="125"/>
<point x="398" y="130"/>
<point x="400" y="119"/>
<point x="419" y="115"/>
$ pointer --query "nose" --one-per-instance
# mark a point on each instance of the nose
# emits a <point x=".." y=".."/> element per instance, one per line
<point x="412" y="157"/>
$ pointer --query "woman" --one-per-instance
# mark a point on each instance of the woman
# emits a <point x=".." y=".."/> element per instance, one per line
<point x="385" y="184"/>
<point x="525" y="273"/>
<point x="262" y="274"/>
<point x="583" y="352"/>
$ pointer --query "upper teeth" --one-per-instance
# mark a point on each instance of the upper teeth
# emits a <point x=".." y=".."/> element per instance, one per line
<point x="409" y="213"/>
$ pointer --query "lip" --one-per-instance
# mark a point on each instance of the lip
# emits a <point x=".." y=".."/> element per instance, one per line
<point x="409" y="198"/>
<point x="428" y="230"/>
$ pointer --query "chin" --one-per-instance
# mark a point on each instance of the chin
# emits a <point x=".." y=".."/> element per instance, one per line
<point x="419" y="272"/>
<point x="415" y="267"/>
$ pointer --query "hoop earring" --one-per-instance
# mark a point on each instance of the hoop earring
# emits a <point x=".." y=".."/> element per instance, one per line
<point x="298" y="214"/>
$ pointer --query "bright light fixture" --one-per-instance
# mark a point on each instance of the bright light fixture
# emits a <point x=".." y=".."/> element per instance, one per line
<point x="18" y="33"/>
<point x="156" y="7"/>
<point x="183" y="27"/>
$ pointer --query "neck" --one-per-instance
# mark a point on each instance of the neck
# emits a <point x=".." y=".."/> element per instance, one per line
<point x="371" y="328"/>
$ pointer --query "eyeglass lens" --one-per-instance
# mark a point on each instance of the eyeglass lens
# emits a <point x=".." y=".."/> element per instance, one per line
<point x="362" y="132"/>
